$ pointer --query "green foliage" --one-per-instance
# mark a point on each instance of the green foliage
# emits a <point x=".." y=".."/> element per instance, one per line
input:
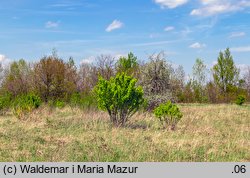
<point x="5" y="102"/>
<point x="241" y="99"/>
<point x="225" y="72"/>
<point x="59" y="104"/>
<point x="120" y="97"/>
<point x="88" y="101"/>
<point x="168" y="114"/>
<point x="128" y="65"/>
<point x="83" y="100"/>
<point x="56" y="104"/>
<point x="198" y="81"/>
<point x="56" y="81"/>
<point x="75" y="99"/>
<point x="198" y="92"/>
<point x="25" y="104"/>
<point x="199" y="72"/>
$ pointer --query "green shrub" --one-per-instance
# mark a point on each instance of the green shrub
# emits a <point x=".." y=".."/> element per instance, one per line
<point x="75" y="100"/>
<point x="88" y="101"/>
<point x="24" y="104"/>
<point x="56" y="104"/>
<point x="83" y="100"/>
<point x="241" y="99"/>
<point x="120" y="97"/>
<point x="168" y="114"/>
<point x="60" y="104"/>
<point x="5" y="102"/>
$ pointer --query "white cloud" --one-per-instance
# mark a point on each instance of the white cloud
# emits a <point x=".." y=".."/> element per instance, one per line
<point x="169" y="28"/>
<point x="244" y="3"/>
<point x="170" y="3"/>
<point x="88" y="60"/>
<point x="2" y="58"/>
<point x="118" y="56"/>
<point x="116" y="24"/>
<point x="197" y="45"/>
<point x="241" y="49"/>
<point x="237" y="34"/>
<point x="214" y="7"/>
<point x="205" y="2"/>
<point x="91" y="59"/>
<point x="214" y="63"/>
<point x="156" y="43"/>
<point x="243" y="68"/>
<point x="51" y="24"/>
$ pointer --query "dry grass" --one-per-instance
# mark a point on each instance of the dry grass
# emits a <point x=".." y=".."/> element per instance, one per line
<point x="206" y="133"/>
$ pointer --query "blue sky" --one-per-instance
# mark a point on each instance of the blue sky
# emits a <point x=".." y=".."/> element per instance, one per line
<point x="83" y="29"/>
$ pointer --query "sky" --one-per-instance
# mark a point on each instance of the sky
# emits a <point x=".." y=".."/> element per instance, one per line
<point x="183" y="29"/>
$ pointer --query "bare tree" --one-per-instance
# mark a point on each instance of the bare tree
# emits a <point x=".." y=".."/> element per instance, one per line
<point x="1" y="74"/>
<point x="105" y="66"/>
<point x="71" y="78"/>
<point x="177" y="81"/>
<point x="87" y="77"/>
<point x="247" y="80"/>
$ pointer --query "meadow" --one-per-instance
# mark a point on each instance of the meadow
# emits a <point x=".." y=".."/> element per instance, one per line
<point x="206" y="133"/>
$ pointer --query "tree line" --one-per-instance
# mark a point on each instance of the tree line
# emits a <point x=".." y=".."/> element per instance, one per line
<point x="57" y="81"/>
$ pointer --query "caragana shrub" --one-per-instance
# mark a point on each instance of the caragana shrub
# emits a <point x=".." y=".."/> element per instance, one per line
<point x="24" y="104"/>
<point x="168" y="114"/>
<point x="120" y="97"/>
<point x="241" y="99"/>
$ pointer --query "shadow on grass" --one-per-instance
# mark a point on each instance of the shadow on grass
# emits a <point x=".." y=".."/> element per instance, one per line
<point x="137" y="126"/>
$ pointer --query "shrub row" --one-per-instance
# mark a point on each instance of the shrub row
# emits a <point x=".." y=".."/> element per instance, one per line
<point x="119" y="96"/>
